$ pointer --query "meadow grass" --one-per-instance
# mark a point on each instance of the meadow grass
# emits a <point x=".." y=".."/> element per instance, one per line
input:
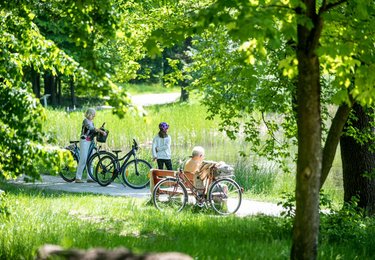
<point x="188" y="127"/>
<point x="39" y="217"/>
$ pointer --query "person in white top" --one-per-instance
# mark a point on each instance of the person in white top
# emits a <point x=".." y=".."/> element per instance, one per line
<point x="88" y="132"/>
<point x="161" y="147"/>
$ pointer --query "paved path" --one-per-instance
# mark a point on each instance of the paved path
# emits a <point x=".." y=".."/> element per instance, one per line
<point x="58" y="184"/>
<point x="155" y="99"/>
<point x="248" y="207"/>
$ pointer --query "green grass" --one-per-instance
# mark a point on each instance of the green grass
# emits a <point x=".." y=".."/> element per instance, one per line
<point x="84" y="221"/>
<point x="62" y="127"/>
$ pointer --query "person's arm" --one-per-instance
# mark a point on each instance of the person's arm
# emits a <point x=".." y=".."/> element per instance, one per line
<point x="90" y="126"/>
<point x="154" y="148"/>
<point x="167" y="144"/>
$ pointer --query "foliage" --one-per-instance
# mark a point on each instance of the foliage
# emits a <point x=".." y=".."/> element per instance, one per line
<point x="21" y="134"/>
<point x="349" y="223"/>
<point x="346" y="224"/>
<point x="288" y="202"/>
<point x="242" y="95"/>
<point x="238" y="66"/>
<point x="23" y="46"/>
<point x="364" y="135"/>
<point x="260" y="26"/>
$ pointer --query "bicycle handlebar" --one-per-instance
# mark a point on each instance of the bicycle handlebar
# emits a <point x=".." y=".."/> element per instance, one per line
<point x="135" y="145"/>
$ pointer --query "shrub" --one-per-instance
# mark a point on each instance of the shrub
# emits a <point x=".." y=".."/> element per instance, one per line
<point x="348" y="223"/>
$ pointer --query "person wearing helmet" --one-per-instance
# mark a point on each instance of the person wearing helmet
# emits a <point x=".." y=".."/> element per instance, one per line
<point x="161" y="147"/>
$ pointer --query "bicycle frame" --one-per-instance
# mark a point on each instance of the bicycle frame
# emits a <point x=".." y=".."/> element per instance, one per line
<point x="126" y="157"/>
<point x="92" y="147"/>
<point x="200" y="197"/>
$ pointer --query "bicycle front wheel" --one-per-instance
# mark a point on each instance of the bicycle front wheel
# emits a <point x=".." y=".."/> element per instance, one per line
<point x="225" y="196"/>
<point x="106" y="170"/>
<point x="170" y="194"/>
<point x="93" y="161"/>
<point x="135" y="173"/>
<point x="68" y="171"/>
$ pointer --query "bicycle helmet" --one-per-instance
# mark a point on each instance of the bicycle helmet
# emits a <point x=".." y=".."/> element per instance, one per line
<point x="163" y="126"/>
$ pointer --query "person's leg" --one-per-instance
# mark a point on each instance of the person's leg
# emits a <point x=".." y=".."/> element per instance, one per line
<point x="168" y="164"/>
<point x="84" y="148"/>
<point x="160" y="164"/>
<point x="92" y="166"/>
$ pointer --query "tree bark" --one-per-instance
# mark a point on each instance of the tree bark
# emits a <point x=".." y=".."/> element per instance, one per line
<point x="185" y="59"/>
<point x="50" y="87"/>
<point x="72" y="93"/>
<point x="48" y="83"/>
<point x="184" y="94"/>
<point x="309" y="161"/>
<point x="59" y="90"/>
<point x="35" y="82"/>
<point x="333" y="139"/>
<point x="357" y="160"/>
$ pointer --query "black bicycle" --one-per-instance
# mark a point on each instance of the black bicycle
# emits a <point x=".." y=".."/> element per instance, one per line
<point x="68" y="172"/>
<point x="134" y="173"/>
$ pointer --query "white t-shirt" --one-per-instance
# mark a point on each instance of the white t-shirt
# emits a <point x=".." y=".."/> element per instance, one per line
<point x="163" y="147"/>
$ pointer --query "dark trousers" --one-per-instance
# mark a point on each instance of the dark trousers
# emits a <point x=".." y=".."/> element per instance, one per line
<point x="167" y="162"/>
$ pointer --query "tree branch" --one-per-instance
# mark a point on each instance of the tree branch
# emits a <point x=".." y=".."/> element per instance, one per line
<point x="269" y="129"/>
<point x="333" y="140"/>
<point x="326" y="7"/>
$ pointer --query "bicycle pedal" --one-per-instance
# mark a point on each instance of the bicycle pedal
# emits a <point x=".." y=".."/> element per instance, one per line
<point x="200" y="204"/>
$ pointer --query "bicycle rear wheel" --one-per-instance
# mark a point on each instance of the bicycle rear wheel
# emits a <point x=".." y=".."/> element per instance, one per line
<point x="170" y="194"/>
<point x="93" y="161"/>
<point x="135" y="173"/>
<point x="68" y="171"/>
<point x="225" y="196"/>
<point x="106" y="170"/>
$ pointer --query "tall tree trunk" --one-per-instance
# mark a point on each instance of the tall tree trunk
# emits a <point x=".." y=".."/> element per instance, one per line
<point x="72" y="93"/>
<point x="184" y="94"/>
<point x="358" y="162"/>
<point x="309" y="161"/>
<point x="185" y="59"/>
<point x="35" y="82"/>
<point x="59" y="90"/>
<point x="47" y="83"/>
<point x="50" y="87"/>
<point x="54" y="91"/>
<point x="162" y="65"/>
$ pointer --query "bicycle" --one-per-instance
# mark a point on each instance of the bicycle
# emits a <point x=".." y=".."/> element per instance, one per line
<point x="68" y="172"/>
<point x="224" y="194"/>
<point x="134" y="173"/>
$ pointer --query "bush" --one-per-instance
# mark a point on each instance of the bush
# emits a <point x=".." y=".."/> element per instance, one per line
<point x="348" y="223"/>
